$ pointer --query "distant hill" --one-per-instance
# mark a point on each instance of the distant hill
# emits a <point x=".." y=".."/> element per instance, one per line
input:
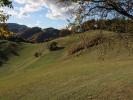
<point x="26" y="34"/>
<point x="34" y="34"/>
<point x="16" y="28"/>
<point x="45" y="34"/>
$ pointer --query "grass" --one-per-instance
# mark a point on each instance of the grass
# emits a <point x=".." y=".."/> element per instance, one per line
<point x="53" y="76"/>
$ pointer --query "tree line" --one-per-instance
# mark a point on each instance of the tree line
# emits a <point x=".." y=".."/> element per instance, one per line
<point x="115" y="25"/>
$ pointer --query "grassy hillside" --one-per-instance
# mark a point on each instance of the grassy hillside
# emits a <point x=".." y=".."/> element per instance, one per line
<point x="57" y="76"/>
<point x="7" y="49"/>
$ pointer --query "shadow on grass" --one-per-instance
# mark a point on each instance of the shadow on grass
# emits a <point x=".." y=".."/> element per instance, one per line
<point x="57" y="48"/>
<point x="7" y="50"/>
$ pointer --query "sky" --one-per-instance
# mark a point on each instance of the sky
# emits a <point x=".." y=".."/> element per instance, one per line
<point x="42" y="13"/>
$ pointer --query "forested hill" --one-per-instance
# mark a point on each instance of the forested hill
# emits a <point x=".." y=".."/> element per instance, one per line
<point x="34" y="34"/>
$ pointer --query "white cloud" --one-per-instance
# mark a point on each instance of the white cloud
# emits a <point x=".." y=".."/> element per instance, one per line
<point x="14" y="12"/>
<point x="56" y="10"/>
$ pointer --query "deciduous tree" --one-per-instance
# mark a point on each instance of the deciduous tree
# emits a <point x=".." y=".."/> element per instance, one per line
<point x="4" y="17"/>
<point x="104" y="7"/>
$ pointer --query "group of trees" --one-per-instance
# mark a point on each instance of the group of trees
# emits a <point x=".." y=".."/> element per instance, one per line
<point x="64" y="32"/>
<point x="102" y="9"/>
<point x="3" y="18"/>
<point x="116" y="25"/>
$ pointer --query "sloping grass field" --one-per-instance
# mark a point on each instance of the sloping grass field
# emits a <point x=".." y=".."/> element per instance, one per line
<point x="57" y="76"/>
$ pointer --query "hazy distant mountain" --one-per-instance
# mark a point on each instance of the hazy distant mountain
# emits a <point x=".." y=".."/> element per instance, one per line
<point x="16" y="28"/>
<point x="35" y="34"/>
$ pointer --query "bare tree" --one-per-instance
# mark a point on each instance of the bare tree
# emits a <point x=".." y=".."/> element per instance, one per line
<point x="104" y="7"/>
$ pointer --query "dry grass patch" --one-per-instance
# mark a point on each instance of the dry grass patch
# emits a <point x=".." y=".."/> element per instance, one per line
<point x="87" y="42"/>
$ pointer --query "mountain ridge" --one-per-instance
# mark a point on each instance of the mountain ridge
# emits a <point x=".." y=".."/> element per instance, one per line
<point x="33" y="34"/>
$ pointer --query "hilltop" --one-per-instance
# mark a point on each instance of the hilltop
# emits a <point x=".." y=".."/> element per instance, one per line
<point x="98" y="72"/>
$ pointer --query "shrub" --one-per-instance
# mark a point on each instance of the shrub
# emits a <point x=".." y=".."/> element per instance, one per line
<point x="75" y="48"/>
<point x="37" y="54"/>
<point x="86" y="42"/>
<point x="52" y="46"/>
<point x="64" y="32"/>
